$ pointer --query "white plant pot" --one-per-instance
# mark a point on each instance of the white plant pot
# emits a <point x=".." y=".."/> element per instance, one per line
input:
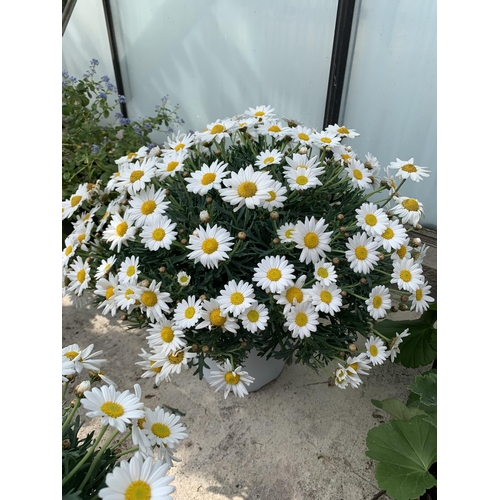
<point x="261" y="369"/>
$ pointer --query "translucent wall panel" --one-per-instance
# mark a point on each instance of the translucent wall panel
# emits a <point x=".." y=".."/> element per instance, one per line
<point x="390" y="96"/>
<point x="218" y="58"/>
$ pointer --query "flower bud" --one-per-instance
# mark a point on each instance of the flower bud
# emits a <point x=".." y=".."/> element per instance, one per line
<point x="204" y="216"/>
<point x="217" y="152"/>
<point x="274" y="215"/>
<point x="346" y="235"/>
<point x="340" y="216"/>
<point x="394" y="309"/>
<point x="403" y="307"/>
<point x="276" y="241"/>
<point x="66" y="444"/>
<point x="404" y="298"/>
<point x="82" y="387"/>
<point x="363" y="281"/>
<point x="244" y="344"/>
<point x="181" y="231"/>
<point x="167" y="191"/>
<point x="162" y="269"/>
<point x="242" y="235"/>
<point x="352" y="347"/>
<point x="185" y="174"/>
<point x="203" y="297"/>
<point x="70" y="377"/>
<point x="342" y="229"/>
<point x="343" y="293"/>
<point x="208" y="199"/>
<point x="303" y="150"/>
<point x="418" y="227"/>
<point x="205" y="349"/>
<point x="195" y="347"/>
<point x="342" y="354"/>
<point x="184" y="241"/>
<point x="416" y="242"/>
<point x="381" y="256"/>
<point x="145" y="283"/>
<point x="335" y="261"/>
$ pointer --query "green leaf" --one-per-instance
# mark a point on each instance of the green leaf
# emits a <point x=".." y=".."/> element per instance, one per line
<point x="405" y="450"/>
<point x="397" y="408"/>
<point x="426" y="387"/>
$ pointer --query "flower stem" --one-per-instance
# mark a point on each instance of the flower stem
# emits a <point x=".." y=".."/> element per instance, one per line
<point x="69" y="418"/>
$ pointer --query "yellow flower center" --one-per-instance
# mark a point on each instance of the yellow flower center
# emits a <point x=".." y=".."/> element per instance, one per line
<point x="247" y="189"/>
<point x="160" y="430"/>
<point x="71" y="355"/>
<point x="167" y="334"/>
<point x="236" y="298"/>
<point x="388" y="234"/>
<point x="208" y="178"/>
<point x="80" y="237"/>
<point x="272" y="196"/>
<point x="405" y="275"/>
<point x="171" y="166"/>
<point x="325" y="296"/>
<point x="128" y="293"/>
<point x="253" y="316"/>
<point x="410" y="204"/>
<point x="311" y="240"/>
<point x="301" y="319"/>
<point x="138" y="490"/>
<point x="274" y="128"/>
<point x="75" y="200"/>
<point x="357" y="174"/>
<point x="149" y="298"/>
<point x="189" y="312"/>
<point x="401" y="251"/>
<point x="361" y="253"/>
<point x="210" y="245"/>
<point x="179" y="146"/>
<point x="373" y="350"/>
<point x="259" y="113"/>
<point x="68" y="250"/>
<point x="158" y="234"/>
<point x="176" y="358"/>
<point x="288" y="233"/>
<point x="184" y="278"/>
<point x="131" y="155"/>
<point x="371" y="220"/>
<point x="303" y="136"/>
<point x="354" y="366"/>
<point x="110" y="292"/>
<point x="301" y="180"/>
<point x="121" y="229"/>
<point x="419" y="294"/>
<point x="112" y="409"/>
<point x="232" y="378"/>
<point x="345" y="156"/>
<point x="80" y="275"/>
<point x="409" y="167"/>
<point x="326" y="140"/>
<point x="323" y="272"/>
<point x="377" y="301"/>
<point x="274" y="274"/>
<point x="294" y="293"/>
<point x="269" y="159"/>
<point x="140" y="423"/>
<point x="217" y="129"/>
<point x="157" y="369"/>
<point x="343" y="130"/>
<point x="130" y="271"/>
<point x="216" y="318"/>
<point x="148" y="207"/>
<point x="136" y="175"/>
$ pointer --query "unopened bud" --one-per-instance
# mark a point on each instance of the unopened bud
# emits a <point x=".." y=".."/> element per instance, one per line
<point x="82" y="387"/>
<point x="204" y="216"/>
<point x="203" y="297"/>
<point x="195" y="347"/>
<point x="276" y="241"/>
<point x="418" y="227"/>
<point x="404" y="298"/>
<point x="205" y="349"/>
<point x="274" y="215"/>
<point x="381" y="256"/>
<point x="242" y="235"/>
<point x="394" y="309"/>
<point x="145" y="283"/>
<point x="181" y="231"/>
<point x="66" y="444"/>
<point x="217" y="152"/>
<point x="244" y="344"/>
<point x="167" y="191"/>
<point x="363" y="281"/>
<point x="303" y="150"/>
<point x="340" y="216"/>
<point x="403" y="307"/>
<point x="343" y="293"/>
<point x="71" y="377"/>
<point x="342" y="354"/>
<point x="184" y="241"/>
<point x="346" y="235"/>
<point x="162" y="269"/>
<point x="352" y="347"/>
<point x="209" y="199"/>
<point x="336" y="261"/>
<point x="416" y="242"/>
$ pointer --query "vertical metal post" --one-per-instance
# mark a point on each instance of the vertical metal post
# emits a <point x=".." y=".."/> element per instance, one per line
<point x="69" y="5"/>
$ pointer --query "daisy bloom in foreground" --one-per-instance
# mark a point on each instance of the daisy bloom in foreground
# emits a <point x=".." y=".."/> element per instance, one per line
<point x="106" y="288"/>
<point x="376" y="350"/>
<point x="162" y="428"/>
<point x="247" y="187"/>
<point x="302" y="320"/>
<point x="153" y="301"/>
<point x="79" y="276"/>
<point x="371" y="219"/>
<point x="341" y="377"/>
<point x="324" y="272"/>
<point x="135" y="176"/>
<point x="379" y="302"/>
<point x="138" y="479"/>
<point x="362" y="253"/>
<point x="420" y="298"/>
<point x="302" y="135"/>
<point x="302" y="178"/>
<point x="183" y="278"/>
<point x="208" y="177"/>
<point x="274" y="129"/>
<point x="149" y="371"/>
<point x="173" y="362"/>
<point x="359" y="174"/>
<point x="116" y="408"/>
<point x="342" y="131"/>
<point x="165" y="336"/>
<point x="172" y="164"/>
<point x="310" y="236"/>
<point x="236" y="297"/>
<point x="408" y="170"/>
<point x="187" y="312"/>
<point x="254" y="318"/>
<point x="396" y="342"/>
<point x="393" y="236"/>
<point x="209" y="246"/>
<point x="408" y="209"/>
<point x="274" y="273"/>
<point x="261" y="112"/>
<point x="216" y="131"/>
<point x="182" y="141"/>
<point x="146" y="204"/>
<point x="158" y="232"/>
<point x="326" y="298"/>
<point x="75" y="201"/>
<point x="119" y="231"/>
<point x="230" y="380"/>
<point x="291" y="295"/>
<point x="276" y="197"/>
<point x="285" y="232"/>
<point x="359" y="365"/>
<point x="325" y="139"/>
<point x="129" y="270"/>
<point x="213" y="317"/>
<point x="407" y="275"/>
<point x="267" y="157"/>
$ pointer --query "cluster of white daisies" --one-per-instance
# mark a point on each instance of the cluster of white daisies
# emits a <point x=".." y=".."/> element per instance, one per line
<point x="140" y="213"/>
<point x="154" y="433"/>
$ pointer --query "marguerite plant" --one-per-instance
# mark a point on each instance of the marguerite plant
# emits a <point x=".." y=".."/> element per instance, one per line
<point x="251" y="234"/>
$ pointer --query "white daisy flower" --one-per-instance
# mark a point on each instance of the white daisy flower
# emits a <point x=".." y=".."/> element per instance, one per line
<point x="153" y="301"/>
<point x="213" y="317"/>
<point x="302" y="320"/>
<point x="342" y="131"/>
<point x="140" y="154"/>
<point x="208" y="177"/>
<point x="127" y="296"/>
<point x="274" y="273"/>
<point x="372" y="163"/>
<point x="379" y="302"/>
<point x="165" y="336"/>
<point x="393" y="236"/>
<point x="158" y="232"/>
<point x="114" y="407"/>
<point x="301" y="178"/>
<point x="276" y="197"/>
<point x="344" y="154"/>
<point x="409" y="210"/>
<point x="407" y="275"/>
<point x="301" y="135"/>
<point x="324" y="272"/>
<point x="129" y="270"/>
<point x="236" y="297"/>
<point x="218" y="130"/>
<point x="247" y="125"/>
<point x="408" y="170"/>
<point x="268" y="157"/>
<point x="291" y="295"/>
<point x="311" y="237"/>
<point x="362" y="253"/>
<point x="146" y="204"/>
<point x="420" y="298"/>
<point x="302" y="161"/>
<point x="230" y="380"/>
<point x="396" y="342"/>
<point x="254" y="318"/>
<point x="360" y="176"/>
<point x="82" y="233"/>
<point x="325" y="139"/>
<point x="173" y="362"/>
<point x="149" y="371"/>
<point x="119" y="231"/>
<point x="172" y="164"/>
<point x="181" y="141"/>
<point x="79" y="276"/>
<point x="326" y="298"/>
<point x="371" y="219"/>
<point x="187" y="312"/>
<point x="285" y="232"/>
<point x="209" y="246"/>
<point x="183" y="278"/>
<point x="70" y="246"/>
<point x="356" y="366"/>
<point x="68" y="368"/>
<point x="247" y="187"/>
<point x="106" y="288"/>
<point x="204" y="216"/>
<point x="139" y="479"/>
<point x="341" y="377"/>
<point x="376" y="350"/>
<point x="75" y="201"/>
<point x="260" y="112"/>
<point x="163" y="428"/>
<point x="135" y="176"/>
<point x="274" y="129"/>
<point x="403" y="251"/>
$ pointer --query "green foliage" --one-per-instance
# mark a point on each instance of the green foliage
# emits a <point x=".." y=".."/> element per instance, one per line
<point x="90" y="145"/>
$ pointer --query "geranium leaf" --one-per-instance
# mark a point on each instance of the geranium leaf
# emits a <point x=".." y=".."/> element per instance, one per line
<point x="397" y="409"/>
<point x="426" y="387"/>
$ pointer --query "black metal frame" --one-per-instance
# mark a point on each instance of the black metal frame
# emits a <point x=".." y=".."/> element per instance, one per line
<point x="340" y="52"/>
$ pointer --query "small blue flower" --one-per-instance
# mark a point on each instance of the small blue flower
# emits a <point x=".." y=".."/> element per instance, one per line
<point x="105" y="78"/>
<point x="111" y="86"/>
<point x="137" y="130"/>
<point x="121" y="99"/>
<point x="118" y="115"/>
<point x="95" y="149"/>
<point x="148" y="126"/>
<point x="94" y="62"/>
<point x="124" y="121"/>
<point x="151" y="145"/>
<point x="102" y="95"/>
